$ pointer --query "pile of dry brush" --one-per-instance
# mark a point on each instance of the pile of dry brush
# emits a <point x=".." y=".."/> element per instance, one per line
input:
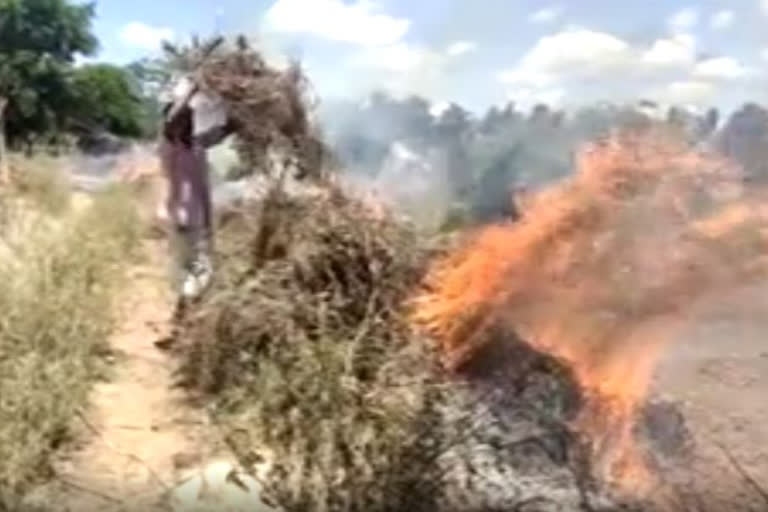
<point x="303" y="341"/>
<point x="304" y="348"/>
<point x="266" y="105"/>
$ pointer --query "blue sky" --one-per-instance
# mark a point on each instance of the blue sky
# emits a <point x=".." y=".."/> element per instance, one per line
<point x="482" y="52"/>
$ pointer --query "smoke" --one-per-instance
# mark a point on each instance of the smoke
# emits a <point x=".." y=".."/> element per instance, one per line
<point x="475" y="164"/>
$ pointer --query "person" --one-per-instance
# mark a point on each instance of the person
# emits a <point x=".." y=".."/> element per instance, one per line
<point x="183" y="149"/>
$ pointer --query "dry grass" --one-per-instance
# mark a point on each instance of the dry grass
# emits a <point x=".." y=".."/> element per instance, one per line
<point x="39" y="181"/>
<point x="304" y="351"/>
<point x="58" y="278"/>
<point x="303" y="348"/>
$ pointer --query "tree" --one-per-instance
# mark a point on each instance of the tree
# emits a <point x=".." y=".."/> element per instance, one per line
<point x="744" y="138"/>
<point x="39" y="40"/>
<point x="58" y="28"/>
<point x="109" y="99"/>
<point x="490" y="121"/>
<point x="5" y="169"/>
<point x="452" y="130"/>
<point x="492" y="199"/>
<point x="391" y="119"/>
<point x="711" y="121"/>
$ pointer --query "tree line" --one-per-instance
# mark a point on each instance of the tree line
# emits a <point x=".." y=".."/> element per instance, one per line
<point x="46" y="97"/>
<point x="487" y="158"/>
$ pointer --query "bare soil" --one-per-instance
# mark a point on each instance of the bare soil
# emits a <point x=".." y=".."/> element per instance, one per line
<point x="718" y="376"/>
<point x="140" y="435"/>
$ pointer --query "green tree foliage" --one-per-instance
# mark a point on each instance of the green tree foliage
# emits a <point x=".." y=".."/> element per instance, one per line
<point x="39" y="40"/>
<point x="57" y="28"/>
<point x="109" y="98"/>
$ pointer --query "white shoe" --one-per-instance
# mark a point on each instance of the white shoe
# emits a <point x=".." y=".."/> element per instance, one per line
<point x="198" y="278"/>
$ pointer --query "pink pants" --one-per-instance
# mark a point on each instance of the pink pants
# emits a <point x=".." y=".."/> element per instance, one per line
<point x="189" y="195"/>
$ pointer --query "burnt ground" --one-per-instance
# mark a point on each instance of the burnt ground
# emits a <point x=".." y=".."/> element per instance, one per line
<point x="717" y="376"/>
<point x="704" y="429"/>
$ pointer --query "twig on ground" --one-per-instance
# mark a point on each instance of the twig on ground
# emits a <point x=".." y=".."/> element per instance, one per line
<point x="748" y="479"/>
<point x="87" y="490"/>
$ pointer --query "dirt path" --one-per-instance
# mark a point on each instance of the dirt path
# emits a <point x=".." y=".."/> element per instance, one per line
<point x="138" y="436"/>
<point x="140" y="447"/>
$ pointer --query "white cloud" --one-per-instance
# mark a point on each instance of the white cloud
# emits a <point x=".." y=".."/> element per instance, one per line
<point x="684" y="19"/>
<point x="726" y="68"/>
<point x="722" y="20"/>
<point x="593" y="64"/>
<point x="544" y="72"/>
<point x="576" y="50"/>
<point x="400" y="58"/>
<point x="360" y="22"/>
<point x="692" y="92"/>
<point x="764" y="6"/>
<point x="460" y="48"/>
<point x="526" y="77"/>
<point x="585" y="53"/>
<point x="401" y="69"/>
<point x="546" y="15"/>
<point x="676" y="51"/>
<point x="147" y="37"/>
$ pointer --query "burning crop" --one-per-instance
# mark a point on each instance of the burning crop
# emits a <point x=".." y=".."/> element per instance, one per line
<point x="600" y="273"/>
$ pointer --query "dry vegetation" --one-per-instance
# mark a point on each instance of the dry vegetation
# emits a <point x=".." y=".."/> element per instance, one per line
<point x="58" y="278"/>
<point x="305" y="352"/>
<point x="305" y="346"/>
<point x="36" y="181"/>
<point x="267" y="106"/>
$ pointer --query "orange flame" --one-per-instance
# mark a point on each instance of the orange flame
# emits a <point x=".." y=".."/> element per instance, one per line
<point x="599" y="272"/>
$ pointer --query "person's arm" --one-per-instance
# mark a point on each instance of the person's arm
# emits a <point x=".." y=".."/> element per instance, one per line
<point x="215" y="135"/>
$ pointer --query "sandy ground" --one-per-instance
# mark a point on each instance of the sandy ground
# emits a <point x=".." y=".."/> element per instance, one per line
<point x="718" y="373"/>
<point x="139" y="437"/>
